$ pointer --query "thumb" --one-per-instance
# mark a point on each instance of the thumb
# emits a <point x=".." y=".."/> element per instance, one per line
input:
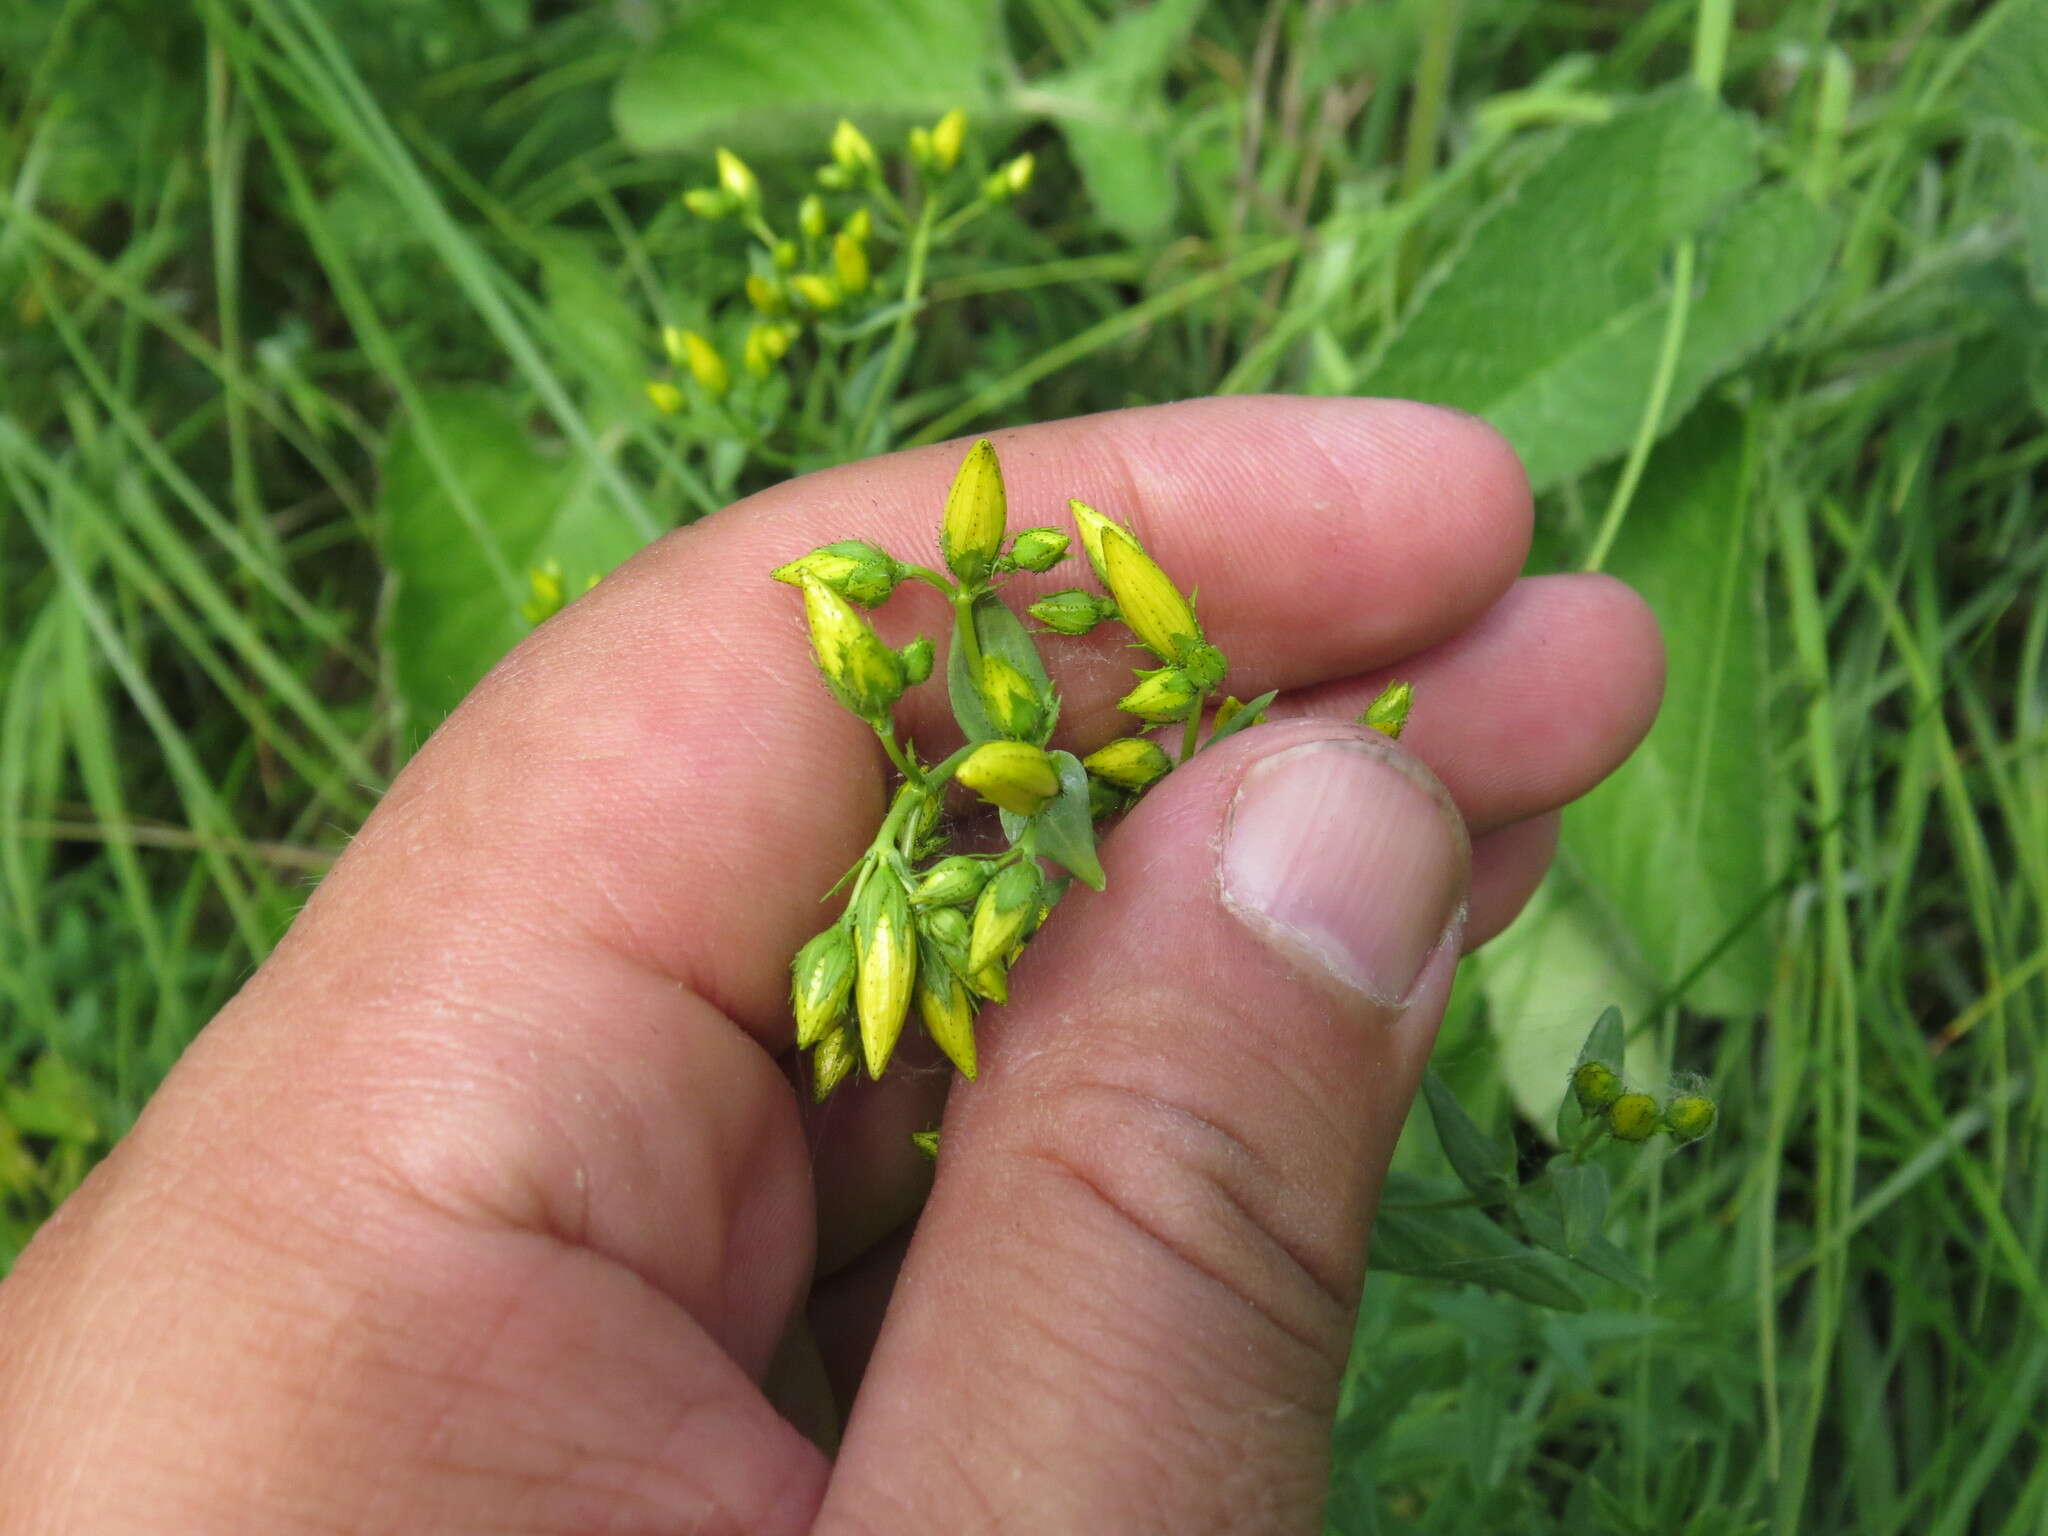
<point x="1130" y="1299"/>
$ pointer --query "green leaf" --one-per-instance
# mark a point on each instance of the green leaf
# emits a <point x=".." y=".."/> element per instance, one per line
<point x="1580" y="1190"/>
<point x="1461" y="1244"/>
<point x="1544" y="1224"/>
<point x="1484" y="1165"/>
<point x="999" y="633"/>
<point x="1064" y="831"/>
<point x="599" y="334"/>
<point x="1549" y="322"/>
<point x="1113" y="114"/>
<point x="1670" y="847"/>
<point x="1244" y="719"/>
<point x="2008" y="77"/>
<point x="776" y="74"/>
<point x="459" y="535"/>
<point x="1559" y="963"/>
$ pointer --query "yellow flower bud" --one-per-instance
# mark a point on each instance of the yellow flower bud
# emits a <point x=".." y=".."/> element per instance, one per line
<point x="886" y="968"/>
<point x="860" y="224"/>
<point x="1161" y="697"/>
<point x="1131" y="762"/>
<point x="1012" y="774"/>
<point x="707" y="202"/>
<point x="851" y="150"/>
<point x="1090" y="524"/>
<point x="850" y="263"/>
<point x="765" y="294"/>
<point x="1389" y="712"/>
<point x="1595" y="1085"/>
<point x="992" y="981"/>
<point x="921" y="145"/>
<point x="545" y="592"/>
<point x="949" y="136"/>
<point x="705" y="365"/>
<point x="810" y="216"/>
<point x="765" y="347"/>
<point x="926" y="1142"/>
<point x="820" y="981"/>
<point x="1012" y="700"/>
<point x="672" y="345"/>
<point x="1003" y="918"/>
<point x="951" y="882"/>
<point x="1632" y="1117"/>
<point x="1690" y="1116"/>
<point x="946" y="1009"/>
<point x="785" y="255"/>
<point x="1017" y="174"/>
<point x="1153" y="607"/>
<point x="977" y="514"/>
<point x="816" y="291"/>
<point x="1072" y="612"/>
<point x="1039" y="549"/>
<point x="947" y="926"/>
<point x="863" y="674"/>
<point x="737" y="180"/>
<point x="857" y="570"/>
<point x="831" y="1059"/>
<point x="666" y="397"/>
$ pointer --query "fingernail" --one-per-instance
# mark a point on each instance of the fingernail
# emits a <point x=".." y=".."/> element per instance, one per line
<point x="1346" y="856"/>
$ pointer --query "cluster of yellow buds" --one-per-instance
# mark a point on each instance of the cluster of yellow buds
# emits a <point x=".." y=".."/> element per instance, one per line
<point x="928" y="927"/>
<point x="798" y="277"/>
<point x="547" y="591"/>
<point x="1630" y="1115"/>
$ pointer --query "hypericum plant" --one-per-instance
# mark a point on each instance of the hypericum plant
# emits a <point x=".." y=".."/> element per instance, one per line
<point x="845" y="266"/>
<point x="927" y="924"/>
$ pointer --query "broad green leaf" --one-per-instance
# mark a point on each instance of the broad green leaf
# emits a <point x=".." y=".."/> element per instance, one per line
<point x="2008" y="77"/>
<point x="459" y="544"/>
<point x="1559" y="964"/>
<point x="608" y="344"/>
<point x="1461" y="1244"/>
<point x="999" y="633"/>
<point x="1580" y="1190"/>
<point x="1549" y="322"/>
<point x="1591" y="1252"/>
<point x="776" y="74"/>
<point x="1483" y="1165"/>
<point x="1064" y="831"/>
<point x="1670" y="847"/>
<point x="1113" y="115"/>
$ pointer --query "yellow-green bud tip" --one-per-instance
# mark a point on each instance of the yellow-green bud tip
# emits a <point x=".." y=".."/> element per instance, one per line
<point x="1131" y="763"/>
<point x="1011" y="774"/>
<point x="737" y="179"/>
<point x="977" y="513"/>
<point x="1153" y="608"/>
<point x="1595" y="1085"/>
<point x="1388" y="713"/>
<point x="1690" y="1116"/>
<point x="1632" y="1117"/>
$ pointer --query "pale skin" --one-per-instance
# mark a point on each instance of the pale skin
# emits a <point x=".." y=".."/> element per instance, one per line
<point x="486" y="1204"/>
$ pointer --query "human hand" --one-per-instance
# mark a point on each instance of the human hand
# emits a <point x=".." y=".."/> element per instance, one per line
<point x="486" y="1204"/>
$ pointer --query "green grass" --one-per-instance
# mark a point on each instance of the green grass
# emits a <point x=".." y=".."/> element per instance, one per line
<point x="1780" y="361"/>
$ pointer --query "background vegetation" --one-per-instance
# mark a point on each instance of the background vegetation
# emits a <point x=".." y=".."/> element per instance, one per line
<point x="326" y="318"/>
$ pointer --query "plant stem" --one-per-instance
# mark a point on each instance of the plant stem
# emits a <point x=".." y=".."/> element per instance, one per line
<point x="905" y="765"/>
<point x="899" y="339"/>
<point x="963" y="631"/>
